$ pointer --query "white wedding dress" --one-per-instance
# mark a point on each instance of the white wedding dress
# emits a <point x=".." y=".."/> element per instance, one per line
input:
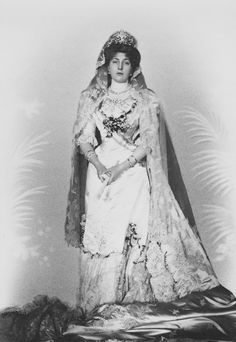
<point x="121" y="259"/>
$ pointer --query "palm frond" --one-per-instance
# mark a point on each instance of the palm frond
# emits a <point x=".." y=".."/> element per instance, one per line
<point x="213" y="166"/>
<point x="23" y="154"/>
<point x="18" y="202"/>
<point x="214" y="170"/>
<point x="20" y="195"/>
<point x="219" y="225"/>
<point x="202" y="129"/>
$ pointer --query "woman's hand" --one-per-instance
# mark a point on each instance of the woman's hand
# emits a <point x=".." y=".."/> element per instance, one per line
<point x="116" y="171"/>
<point x="102" y="172"/>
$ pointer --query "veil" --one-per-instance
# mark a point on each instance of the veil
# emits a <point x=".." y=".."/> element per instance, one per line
<point x="88" y="102"/>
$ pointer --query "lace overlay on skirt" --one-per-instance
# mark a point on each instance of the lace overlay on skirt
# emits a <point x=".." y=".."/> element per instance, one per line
<point x="158" y="271"/>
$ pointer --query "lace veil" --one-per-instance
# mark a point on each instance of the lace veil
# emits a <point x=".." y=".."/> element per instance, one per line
<point x="159" y="139"/>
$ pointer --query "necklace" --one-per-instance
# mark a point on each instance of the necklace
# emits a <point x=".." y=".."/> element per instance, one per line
<point x="115" y="112"/>
<point x="119" y="92"/>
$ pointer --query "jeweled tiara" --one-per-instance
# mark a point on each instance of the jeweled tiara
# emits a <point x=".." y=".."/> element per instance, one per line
<point x="121" y="37"/>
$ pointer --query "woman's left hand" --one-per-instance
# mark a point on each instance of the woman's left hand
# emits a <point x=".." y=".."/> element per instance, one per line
<point x="115" y="172"/>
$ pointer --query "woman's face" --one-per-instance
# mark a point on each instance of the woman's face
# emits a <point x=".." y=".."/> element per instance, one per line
<point x="120" y="68"/>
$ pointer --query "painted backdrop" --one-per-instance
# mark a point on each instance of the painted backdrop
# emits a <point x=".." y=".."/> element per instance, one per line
<point x="48" y="55"/>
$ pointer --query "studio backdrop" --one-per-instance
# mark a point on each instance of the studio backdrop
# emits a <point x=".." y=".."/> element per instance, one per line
<point x="48" y="55"/>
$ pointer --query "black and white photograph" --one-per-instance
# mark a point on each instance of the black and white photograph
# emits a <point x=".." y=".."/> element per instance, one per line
<point x="118" y="169"/>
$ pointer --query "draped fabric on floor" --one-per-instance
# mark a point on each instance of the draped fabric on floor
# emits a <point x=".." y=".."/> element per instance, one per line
<point x="205" y="316"/>
<point x="209" y="315"/>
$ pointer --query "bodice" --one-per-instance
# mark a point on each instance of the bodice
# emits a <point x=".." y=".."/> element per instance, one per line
<point x="118" y="115"/>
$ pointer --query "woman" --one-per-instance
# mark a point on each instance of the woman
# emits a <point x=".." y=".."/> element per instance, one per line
<point x="135" y="242"/>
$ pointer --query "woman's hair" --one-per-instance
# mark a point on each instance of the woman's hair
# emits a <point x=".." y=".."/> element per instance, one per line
<point x="131" y="52"/>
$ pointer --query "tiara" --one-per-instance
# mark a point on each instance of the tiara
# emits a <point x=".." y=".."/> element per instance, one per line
<point x="121" y="37"/>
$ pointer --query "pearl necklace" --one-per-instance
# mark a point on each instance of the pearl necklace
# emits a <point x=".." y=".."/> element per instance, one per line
<point x="119" y="92"/>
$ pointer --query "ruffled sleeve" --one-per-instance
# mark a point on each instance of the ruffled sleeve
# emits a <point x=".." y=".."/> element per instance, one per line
<point x="87" y="134"/>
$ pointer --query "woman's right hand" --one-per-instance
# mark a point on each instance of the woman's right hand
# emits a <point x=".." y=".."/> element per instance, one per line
<point x="102" y="172"/>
